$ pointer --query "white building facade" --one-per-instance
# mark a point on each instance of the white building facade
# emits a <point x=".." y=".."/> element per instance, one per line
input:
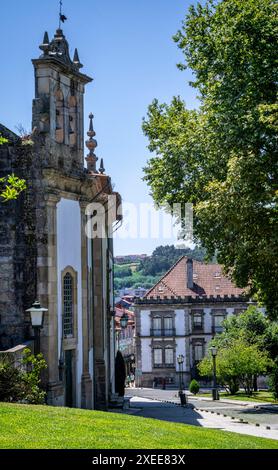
<point x="182" y="323"/>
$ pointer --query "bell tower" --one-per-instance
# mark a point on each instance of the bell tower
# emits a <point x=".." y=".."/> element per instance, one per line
<point x="58" y="107"/>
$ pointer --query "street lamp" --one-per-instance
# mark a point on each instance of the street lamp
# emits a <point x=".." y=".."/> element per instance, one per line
<point x="215" y="394"/>
<point x="37" y="318"/>
<point x="180" y="360"/>
<point x="124" y="321"/>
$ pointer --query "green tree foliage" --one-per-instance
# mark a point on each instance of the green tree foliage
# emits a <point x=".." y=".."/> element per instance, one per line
<point x="3" y="140"/>
<point x="22" y="384"/>
<point x="151" y="268"/>
<point x="236" y="365"/>
<point x="122" y="271"/>
<point x="273" y="382"/>
<point x="163" y="258"/>
<point x="257" y="335"/>
<point x="254" y="328"/>
<point x="10" y="186"/>
<point x="223" y="156"/>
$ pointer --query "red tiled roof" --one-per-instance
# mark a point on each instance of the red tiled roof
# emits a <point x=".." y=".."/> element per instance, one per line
<point x="208" y="280"/>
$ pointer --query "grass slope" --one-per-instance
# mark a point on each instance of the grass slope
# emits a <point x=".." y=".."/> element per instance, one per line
<point x="43" y="427"/>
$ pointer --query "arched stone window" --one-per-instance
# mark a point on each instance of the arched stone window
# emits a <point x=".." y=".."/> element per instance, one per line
<point x="60" y="117"/>
<point x="72" y="121"/>
<point x="68" y="305"/>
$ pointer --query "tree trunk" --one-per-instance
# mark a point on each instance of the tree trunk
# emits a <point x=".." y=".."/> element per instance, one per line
<point x="255" y="383"/>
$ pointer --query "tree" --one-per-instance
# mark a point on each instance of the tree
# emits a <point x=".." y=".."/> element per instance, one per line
<point x="254" y="328"/>
<point x="10" y="186"/>
<point x="22" y="383"/>
<point x="3" y="140"/>
<point x="236" y="365"/>
<point x="122" y="271"/>
<point x="163" y="258"/>
<point x="223" y="157"/>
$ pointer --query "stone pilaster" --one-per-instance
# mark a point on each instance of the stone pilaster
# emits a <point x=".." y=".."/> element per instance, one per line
<point x="48" y="295"/>
<point x="98" y="328"/>
<point x="86" y="380"/>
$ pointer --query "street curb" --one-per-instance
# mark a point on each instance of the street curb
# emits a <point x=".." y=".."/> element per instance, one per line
<point x="241" y="420"/>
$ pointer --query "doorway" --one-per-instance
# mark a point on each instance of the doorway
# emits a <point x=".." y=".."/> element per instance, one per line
<point x="69" y="378"/>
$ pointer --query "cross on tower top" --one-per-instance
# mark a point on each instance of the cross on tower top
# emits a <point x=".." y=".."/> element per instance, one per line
<point x="62" y="17"/>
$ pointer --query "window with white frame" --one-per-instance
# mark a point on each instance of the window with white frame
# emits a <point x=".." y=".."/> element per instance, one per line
<point x="197" y="320"/>
<point x="168" y="325"/>
<point x="218" y="322"/>
<point x="157" y="356"/>
<point x="198" y="352"/>
<point x="157" y="322"/>
<point x="169" y="355"/>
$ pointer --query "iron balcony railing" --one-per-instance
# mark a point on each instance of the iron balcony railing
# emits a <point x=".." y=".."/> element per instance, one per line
<point x="198" y="327"/>
<point x="164" y="366"/>
<point x="163" y="332"/>
<point x="217" y="329"/>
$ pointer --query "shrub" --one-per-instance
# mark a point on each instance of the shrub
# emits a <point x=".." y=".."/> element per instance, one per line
<point x="194" y="387"/>
<point x="22" y="384"/>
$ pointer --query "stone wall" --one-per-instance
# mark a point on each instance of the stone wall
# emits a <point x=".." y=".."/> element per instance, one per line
<point x="19" y="232"/>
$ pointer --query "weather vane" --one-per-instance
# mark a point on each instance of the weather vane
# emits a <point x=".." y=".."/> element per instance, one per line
<point x="62" y="17"/>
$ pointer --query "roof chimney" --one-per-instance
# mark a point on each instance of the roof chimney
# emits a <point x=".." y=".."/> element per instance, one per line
<point x="189" y="270"/>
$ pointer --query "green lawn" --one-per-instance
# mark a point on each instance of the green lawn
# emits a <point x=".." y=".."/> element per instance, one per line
<point x="262" y="397"/>
<point x="43" y="427"/>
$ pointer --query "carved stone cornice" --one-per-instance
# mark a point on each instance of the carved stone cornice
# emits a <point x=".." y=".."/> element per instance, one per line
<point x="88" y="188"/>
<point x="52" y="198"/>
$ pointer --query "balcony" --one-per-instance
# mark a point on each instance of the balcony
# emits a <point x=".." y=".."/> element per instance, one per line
<point x="217" y="329"/>
<point x="198" y="328"/>
<point x="164" y="366"/>
<point x="163" y="333"/>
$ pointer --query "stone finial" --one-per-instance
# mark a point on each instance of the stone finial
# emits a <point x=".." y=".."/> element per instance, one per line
<point x="91" y="144"/>
<point x="45" y="44"/>
<point x="101" y="168"/>
<point x="46" y="39"/>
<point x="76" y="60"/>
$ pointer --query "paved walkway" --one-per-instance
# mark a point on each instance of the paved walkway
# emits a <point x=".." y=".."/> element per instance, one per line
<point x="151" y="408"/>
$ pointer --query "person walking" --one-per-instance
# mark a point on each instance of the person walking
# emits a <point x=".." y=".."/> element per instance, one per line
<point x="132" y="379"/>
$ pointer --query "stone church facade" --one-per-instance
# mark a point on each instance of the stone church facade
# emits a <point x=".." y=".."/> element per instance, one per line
<point x="45" y="253"/>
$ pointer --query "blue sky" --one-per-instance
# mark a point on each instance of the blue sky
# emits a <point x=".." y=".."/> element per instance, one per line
<point x="127" y="47"/>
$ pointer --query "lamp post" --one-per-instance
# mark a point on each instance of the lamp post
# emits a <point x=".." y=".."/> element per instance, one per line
<point x="124" y="321"/>
<point x="180" y="360"/>
<point x="215" y="394"/>
<point x="37" y="318"/>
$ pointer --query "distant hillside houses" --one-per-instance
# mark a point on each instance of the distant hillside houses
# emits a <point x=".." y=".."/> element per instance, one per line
<point x="129" y="259"/>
